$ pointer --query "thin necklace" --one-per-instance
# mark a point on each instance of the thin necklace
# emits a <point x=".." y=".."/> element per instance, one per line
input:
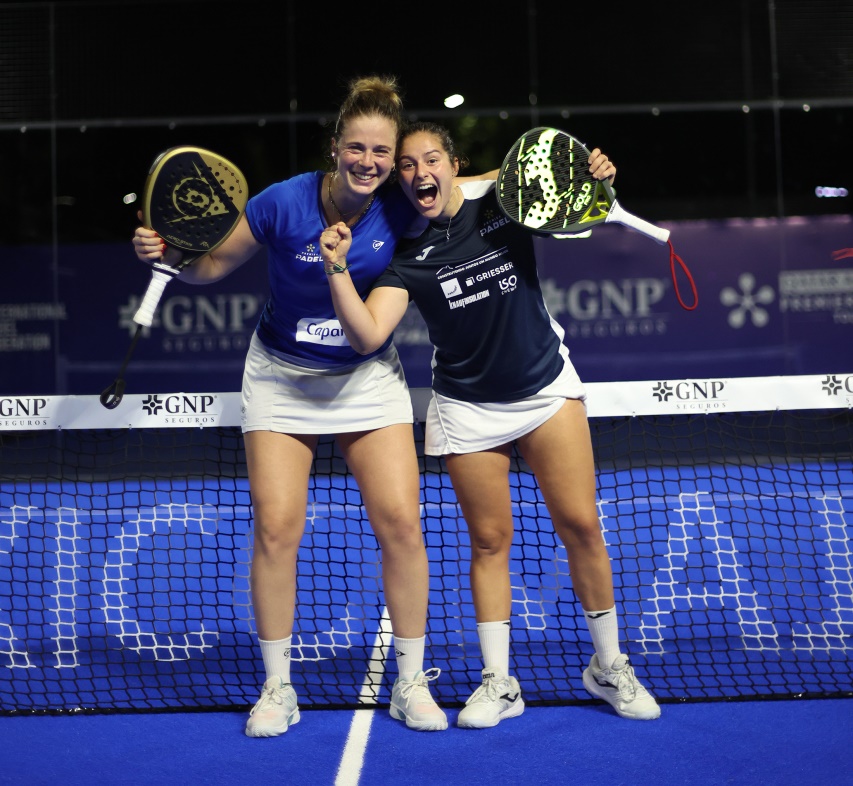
<point x="347" y="216"/>
<point x="450" y="220"/>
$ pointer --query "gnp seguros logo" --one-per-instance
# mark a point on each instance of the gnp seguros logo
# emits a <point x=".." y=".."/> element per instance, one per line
<point x="23" y="411"/>
<point x="198" y="323"/>
<point x="837" y="385"/>
<point x="194" y="409"/>
<point x="701" y="395"/>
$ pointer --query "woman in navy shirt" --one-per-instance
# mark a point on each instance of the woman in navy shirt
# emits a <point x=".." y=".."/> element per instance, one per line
<point x="501" y="376"/>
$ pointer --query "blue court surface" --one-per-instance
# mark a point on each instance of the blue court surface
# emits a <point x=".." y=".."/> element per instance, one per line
<point x="734" y="582"/>
<point x="777" y="743"/>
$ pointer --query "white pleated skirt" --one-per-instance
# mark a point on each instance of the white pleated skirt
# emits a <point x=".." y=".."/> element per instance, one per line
<point x="282" y="397"/>
<point x="454" y="426"/>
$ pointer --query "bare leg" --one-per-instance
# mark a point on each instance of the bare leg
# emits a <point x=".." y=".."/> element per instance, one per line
<point x="385" y="467"/>
<point x="480" y="481"/>
<point x="279" y="465"/>
<point x="560" y="454"/>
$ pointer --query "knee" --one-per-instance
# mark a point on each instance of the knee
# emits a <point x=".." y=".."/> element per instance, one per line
<point x="582" y="525"/>
<point x="278" y="533"/>
<point x="399" y="529"/>
<point x="490" y="542"/>
<point x="582" y="531"/>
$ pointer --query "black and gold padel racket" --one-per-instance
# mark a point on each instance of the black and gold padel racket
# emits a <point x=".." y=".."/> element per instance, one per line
<point x="193" y="199"/>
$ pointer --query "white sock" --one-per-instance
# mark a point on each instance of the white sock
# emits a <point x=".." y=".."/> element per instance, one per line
<point x="276" y="655"/>
<point x="410" y="656"/>
<point x="494" y="644"/>
<point x="604" y="629"/>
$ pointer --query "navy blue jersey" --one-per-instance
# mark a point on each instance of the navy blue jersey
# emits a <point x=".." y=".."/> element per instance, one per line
<point x="475" y="283"/>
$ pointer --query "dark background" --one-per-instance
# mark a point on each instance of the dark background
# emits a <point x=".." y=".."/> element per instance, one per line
<point x="702" y="105"/>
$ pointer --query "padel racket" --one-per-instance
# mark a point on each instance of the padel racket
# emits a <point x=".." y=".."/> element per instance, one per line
<point x="545" y="184"/>
<point x="193" y="199"/>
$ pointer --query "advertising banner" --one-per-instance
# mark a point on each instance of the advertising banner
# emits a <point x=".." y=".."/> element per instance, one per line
<point x="775" y="298"/>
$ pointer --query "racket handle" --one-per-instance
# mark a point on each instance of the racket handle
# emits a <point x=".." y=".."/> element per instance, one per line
<point x="145" y="314"/>
<point x="621" y="216"/>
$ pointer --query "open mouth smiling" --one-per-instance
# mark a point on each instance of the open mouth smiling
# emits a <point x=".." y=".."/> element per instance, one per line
<point x="426" y="194"/>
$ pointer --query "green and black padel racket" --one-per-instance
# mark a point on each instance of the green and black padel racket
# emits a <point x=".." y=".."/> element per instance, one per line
<point x="545" y="185"/>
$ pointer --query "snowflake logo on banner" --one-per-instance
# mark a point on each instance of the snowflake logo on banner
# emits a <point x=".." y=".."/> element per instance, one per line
<point x="831" y="385"/>
<point x="152" y="405"/>
<point x="747" y="302"/>
<point x="662" y="391"/>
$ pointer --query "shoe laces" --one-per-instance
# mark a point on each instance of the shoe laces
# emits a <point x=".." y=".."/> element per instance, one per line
<point x="270" y="696"/>
<point x="490" y="690"/>
<point x="419" y="686"/>
<point x="626" y="682"/>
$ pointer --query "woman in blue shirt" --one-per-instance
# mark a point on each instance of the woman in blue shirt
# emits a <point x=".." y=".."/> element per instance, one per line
<point x="303" y="379"/>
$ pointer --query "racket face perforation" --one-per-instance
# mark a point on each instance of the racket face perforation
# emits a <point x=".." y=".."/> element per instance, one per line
<point x="193" y="198"/>
<point x="545" y="184"/>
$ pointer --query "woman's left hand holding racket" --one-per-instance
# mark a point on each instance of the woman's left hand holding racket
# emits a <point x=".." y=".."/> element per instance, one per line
<point x="601" y="167"/>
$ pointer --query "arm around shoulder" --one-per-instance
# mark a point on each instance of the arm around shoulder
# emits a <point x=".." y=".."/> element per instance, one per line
<point x="490" y="175"/>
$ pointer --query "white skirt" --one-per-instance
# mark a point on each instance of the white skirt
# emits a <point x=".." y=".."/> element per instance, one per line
<point x="289" y="399"/>
<point x="454" y="426"/>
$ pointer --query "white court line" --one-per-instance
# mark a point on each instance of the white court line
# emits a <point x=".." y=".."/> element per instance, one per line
<point x="352" y="760"/>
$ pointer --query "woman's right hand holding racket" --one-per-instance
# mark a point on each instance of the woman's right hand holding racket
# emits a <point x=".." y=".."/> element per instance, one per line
<point x="166" y="263"/>
<point x="150" y="248"/>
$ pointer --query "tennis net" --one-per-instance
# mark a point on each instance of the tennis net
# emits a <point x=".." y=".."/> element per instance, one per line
<point x="125" y="546"/>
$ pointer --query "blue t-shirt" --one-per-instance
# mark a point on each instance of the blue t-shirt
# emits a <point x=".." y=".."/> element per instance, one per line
<point x="298" y="321"/>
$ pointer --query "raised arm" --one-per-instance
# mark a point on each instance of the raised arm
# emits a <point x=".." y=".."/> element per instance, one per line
<point x="239" y="247"/>
<point x="366" y="324"/>
<point x="491" y="175"/>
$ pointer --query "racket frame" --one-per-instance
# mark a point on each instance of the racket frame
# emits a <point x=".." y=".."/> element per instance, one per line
<point x="232" y="200"/>
<point x="592" y="201"/>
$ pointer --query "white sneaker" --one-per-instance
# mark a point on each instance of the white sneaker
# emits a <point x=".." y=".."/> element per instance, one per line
<point x="498" y="698"/>
<point x="620" y="687"/>
<point x="276" y="710"/>
<point x="411" y="701"/>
